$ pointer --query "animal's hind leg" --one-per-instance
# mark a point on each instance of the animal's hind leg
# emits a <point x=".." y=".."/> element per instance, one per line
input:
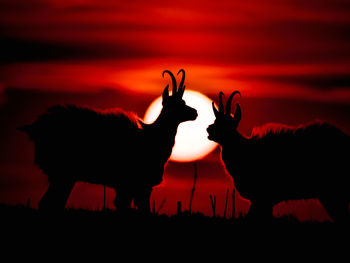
<point x="260" y="211"/>
<point x="337" y="209"/>
<point x="56" y="196"/>
<point x="142" y="200"/>
<point x="123" y="200"/>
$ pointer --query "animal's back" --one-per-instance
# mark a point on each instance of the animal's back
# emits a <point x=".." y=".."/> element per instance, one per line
<point x="293" y="162"/>
<point x="71" y="140"/>
<point x="316" y="138"/>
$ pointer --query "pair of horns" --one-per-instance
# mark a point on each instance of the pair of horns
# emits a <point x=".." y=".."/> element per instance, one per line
<point x="229" y="102"/>
<point x="177" y="91"/>
<point x="238" y="113"/>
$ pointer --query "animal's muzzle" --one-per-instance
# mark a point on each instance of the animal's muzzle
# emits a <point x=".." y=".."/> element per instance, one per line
<point x="209" y="129"/>
<point x="210" y="132"/>
<point x="193" y="115"/>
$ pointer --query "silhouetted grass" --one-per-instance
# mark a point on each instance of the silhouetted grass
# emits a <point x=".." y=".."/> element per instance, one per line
<point x="98" y="230"/>
<point x="112" y="220"/>
<point x="83" y="232"/>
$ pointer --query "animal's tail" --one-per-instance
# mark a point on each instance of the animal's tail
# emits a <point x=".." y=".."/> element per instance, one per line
<point x="25" y="128"/>
<point x="28" y="129"/>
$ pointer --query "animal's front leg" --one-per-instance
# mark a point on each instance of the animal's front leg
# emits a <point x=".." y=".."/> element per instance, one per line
<point x="56" y="196"/>
<point x="123" y="201"/>
<point x="337" y="208"/>
<point x="260" y="211"/>
<point x="142" y="200"/>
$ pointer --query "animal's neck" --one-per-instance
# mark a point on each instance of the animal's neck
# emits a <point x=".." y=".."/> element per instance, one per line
<point x="235" y="140"/>
<point x="234" y="148"/>
<point x="162" y="135"/>
<point x="165" y="125"/>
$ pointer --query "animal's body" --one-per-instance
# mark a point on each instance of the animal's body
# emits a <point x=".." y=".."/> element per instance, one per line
<point x="279" y="163"/>
<point x="113" y="148"/>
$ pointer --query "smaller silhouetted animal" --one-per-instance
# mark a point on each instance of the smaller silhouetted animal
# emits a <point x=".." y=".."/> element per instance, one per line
<point x="278" y="162"/>
<point x="113" y="148"/>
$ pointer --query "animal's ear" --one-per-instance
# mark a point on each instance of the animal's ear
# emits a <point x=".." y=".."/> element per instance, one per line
<point x="165" y="95"/>
<point x="238" y="115"/>
<point x="216" y="113"/>
<point x="142" y="124"/>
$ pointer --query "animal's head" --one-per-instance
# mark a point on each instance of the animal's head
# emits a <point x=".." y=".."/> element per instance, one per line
<point x="225" y="123"/>
<point x="174" y="106"/>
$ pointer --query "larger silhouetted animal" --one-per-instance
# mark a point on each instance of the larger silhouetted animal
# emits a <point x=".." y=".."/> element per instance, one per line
<point x="112" y="148"/>
<point x="278" y="163"/>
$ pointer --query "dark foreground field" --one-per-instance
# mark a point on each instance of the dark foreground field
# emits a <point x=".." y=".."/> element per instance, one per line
<point x="107" y="231"/>
<point x="24" y="218"/>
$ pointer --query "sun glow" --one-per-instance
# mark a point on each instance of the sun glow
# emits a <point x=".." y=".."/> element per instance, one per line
<point x="191" y="142"/>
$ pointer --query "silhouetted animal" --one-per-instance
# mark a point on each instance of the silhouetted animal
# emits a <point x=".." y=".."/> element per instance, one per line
<point x="278" y="162"/>
<point x="113" y="148"/>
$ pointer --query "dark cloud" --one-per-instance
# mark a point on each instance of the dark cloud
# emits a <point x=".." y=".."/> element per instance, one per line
<point x="322" y="82"/>
<point x="252" y="32"/>
<point x="26" y="50"/>
<point x="29" y="50"/>
<point x="18" y="5"/>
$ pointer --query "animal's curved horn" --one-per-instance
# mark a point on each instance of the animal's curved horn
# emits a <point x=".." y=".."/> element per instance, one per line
<point x="238" y="115"/>
<point x="221" y="104"/>
<point x="181" y="88"/>
<point x="229" y="101"/>
<point x="215" y="110"/>
<point x="173" y="79"/>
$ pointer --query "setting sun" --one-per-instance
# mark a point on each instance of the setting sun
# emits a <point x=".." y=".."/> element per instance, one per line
<point x="191" y="141"/>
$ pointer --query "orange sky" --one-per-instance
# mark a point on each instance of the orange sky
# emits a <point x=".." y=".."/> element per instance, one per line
<point x="289" y="59"/>
<point x="266" y="48"/>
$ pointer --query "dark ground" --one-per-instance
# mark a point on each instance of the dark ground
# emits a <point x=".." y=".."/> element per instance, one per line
<point x="83" y="232"/>
<point x="26" y="219"/>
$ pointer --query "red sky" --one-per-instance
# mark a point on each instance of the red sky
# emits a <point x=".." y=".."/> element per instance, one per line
<point x="289" y="59"/>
